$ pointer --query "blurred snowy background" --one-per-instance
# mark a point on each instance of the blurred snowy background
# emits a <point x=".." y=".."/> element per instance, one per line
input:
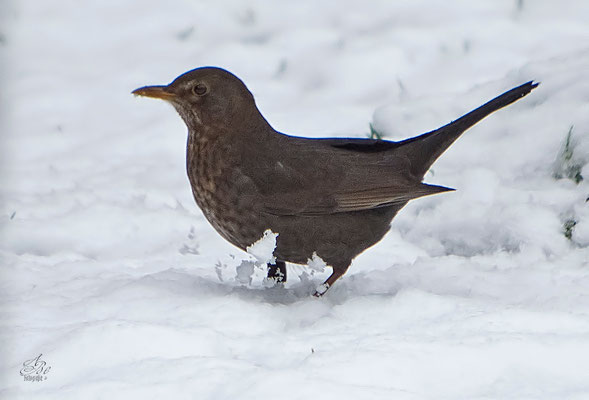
<point x="111" y="272"/>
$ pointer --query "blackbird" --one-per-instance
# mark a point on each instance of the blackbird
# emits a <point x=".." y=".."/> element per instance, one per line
<point x="331" y="196"/>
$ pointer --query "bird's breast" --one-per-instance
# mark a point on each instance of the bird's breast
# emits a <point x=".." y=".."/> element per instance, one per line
<point x="210" y="170"/>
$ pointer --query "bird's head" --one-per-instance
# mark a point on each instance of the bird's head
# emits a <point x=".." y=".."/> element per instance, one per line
<point x="205" y="97"/>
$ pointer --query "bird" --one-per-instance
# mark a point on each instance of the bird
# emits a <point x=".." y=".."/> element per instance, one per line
<point x="327" y="197"/>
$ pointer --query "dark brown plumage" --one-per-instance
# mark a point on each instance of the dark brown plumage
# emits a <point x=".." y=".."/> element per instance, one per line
<point x="334" y="197"/>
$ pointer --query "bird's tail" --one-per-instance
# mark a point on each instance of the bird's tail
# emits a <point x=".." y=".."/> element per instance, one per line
<point x="423" y="150"/>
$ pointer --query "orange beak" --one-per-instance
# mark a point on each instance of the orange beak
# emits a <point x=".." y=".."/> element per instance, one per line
<point x="155" y="92"/>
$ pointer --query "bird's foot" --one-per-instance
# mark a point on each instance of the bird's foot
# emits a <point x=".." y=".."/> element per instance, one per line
<point x="277" y="272"/>
<point x="321" y="289"/>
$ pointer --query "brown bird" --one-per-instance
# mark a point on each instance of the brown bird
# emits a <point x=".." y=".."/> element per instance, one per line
<point x="333" y="196"/>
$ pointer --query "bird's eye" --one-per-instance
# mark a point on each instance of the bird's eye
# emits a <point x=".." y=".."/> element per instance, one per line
<point x="199" y="89"/>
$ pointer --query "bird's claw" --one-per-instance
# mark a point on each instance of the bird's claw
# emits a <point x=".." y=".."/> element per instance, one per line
<point x="321" y="289"/>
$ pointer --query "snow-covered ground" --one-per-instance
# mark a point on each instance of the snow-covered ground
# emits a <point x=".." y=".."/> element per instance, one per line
<point x="110" y="271"/>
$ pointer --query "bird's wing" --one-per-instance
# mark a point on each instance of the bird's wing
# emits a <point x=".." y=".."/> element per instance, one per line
<point x="358" y="200"/>
<point x="346" y="201"/>
<point x="334" y="176"/>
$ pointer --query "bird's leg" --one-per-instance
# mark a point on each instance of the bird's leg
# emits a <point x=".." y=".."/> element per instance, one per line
<point x="337" y="273"/>
<point x="277" y="271"/>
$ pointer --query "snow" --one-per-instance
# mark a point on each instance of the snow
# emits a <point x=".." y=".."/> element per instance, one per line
<point x="110" y="271"/>
<point x="316" y="263"/>
<point x="263" y="248"/>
